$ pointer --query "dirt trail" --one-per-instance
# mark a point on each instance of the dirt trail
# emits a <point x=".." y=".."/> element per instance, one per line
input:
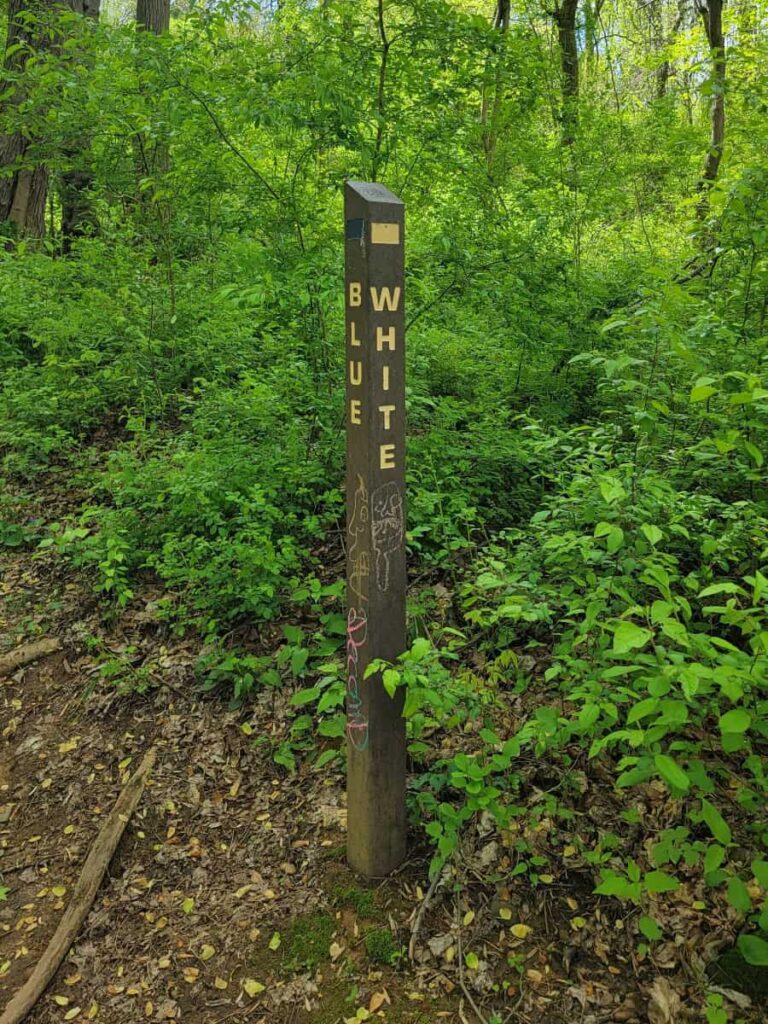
<point x="226" y="857"/>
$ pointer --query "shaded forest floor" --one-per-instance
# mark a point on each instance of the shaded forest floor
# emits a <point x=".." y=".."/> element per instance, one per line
<point x="229" y="898"/>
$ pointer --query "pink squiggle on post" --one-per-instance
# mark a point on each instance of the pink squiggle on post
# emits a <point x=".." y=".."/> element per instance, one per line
<point x="357" y="723"/>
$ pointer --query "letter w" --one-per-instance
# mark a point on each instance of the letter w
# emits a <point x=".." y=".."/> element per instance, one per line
<point x="385" y="297"/>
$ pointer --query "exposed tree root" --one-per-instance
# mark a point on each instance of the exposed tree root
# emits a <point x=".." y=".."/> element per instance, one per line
<point x="27" y="653"/>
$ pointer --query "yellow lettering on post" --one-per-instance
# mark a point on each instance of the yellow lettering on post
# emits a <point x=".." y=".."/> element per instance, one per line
<point x="386" y="456"/>
<point x="355" y="293"/>
<point x="383" y="339"/>
<point x="353" y="340"/>
<point x="385" y="378"/>
<point x="386" y="411"/>
<point x="354" y="410"/>
<point x="381" y="297"/>
<point x="355" y="372"/>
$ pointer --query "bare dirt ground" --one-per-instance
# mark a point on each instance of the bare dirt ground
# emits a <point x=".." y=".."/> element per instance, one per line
<point x="229" y="898"/>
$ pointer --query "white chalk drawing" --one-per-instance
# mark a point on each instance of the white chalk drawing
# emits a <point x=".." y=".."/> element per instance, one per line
<point x="359" y="559"/>
<point x="359" y="571"/>
<point x="387" y="529"/>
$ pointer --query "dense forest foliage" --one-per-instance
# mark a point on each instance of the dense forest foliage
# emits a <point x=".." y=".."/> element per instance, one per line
<point x="586" y="190"/>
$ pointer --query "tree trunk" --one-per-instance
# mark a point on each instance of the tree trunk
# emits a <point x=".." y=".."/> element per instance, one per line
<point x="565" y="18"/>
<point x="153" y="15"/>
<point x="491" y="108"/>
<point x="23" y="190"/>
<point x="77" y="216"/>
<point x="664" y="73"/>
<point x="23" y="177"/>
<point x="711" y="12"/>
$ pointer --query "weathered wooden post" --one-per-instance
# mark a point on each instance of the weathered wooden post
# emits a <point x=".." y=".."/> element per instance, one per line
<point x="375" y="373"/>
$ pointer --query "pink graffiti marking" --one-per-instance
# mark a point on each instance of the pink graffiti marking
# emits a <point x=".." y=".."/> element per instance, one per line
<point x="357" y="723"/>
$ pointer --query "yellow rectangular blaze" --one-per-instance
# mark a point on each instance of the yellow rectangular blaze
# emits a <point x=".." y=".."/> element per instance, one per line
<point x="385" y="234"/>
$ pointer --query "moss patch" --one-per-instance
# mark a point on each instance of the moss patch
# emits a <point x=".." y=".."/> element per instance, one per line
<point x="381" y="947"/>
<point x="362" y="901"/>
<point x="306" y="941"/>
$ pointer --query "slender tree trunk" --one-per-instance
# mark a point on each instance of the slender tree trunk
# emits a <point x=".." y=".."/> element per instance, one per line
<point x="77" y="215"/>
<point x="711" y="12"/>
<point x="152" y="16"/>
<point x="380" y="92"/>
<point x="153" y="159"/>
<point x="664" y="73"/>
<point x="565" y="19"/>
<point x="491" y="107"/>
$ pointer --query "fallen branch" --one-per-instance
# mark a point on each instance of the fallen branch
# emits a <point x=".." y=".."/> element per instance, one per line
<point x="462" y="983"/>
<point x="420" y="915"/>
<point x="27" y="653"/>
<point x="83" y="895"/>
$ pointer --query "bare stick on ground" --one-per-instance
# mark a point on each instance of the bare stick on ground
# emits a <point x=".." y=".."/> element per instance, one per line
<point x="420" y="915"/>
<point x="83" y="895"/>
<point x="12" y="660"/>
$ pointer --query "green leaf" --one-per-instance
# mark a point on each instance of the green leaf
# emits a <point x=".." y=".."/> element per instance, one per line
<point x="391" y="679"/>
<point x="702" y="392"/>
<point x="735" y="721"/>
<point x="675" y="631"/>
<point x="738" y="895"/>
<point x="754" y="451"/>
<point x="299" y="657"/>
<point x="611" y="489"/>
<point x="652" y="533"/>
<point x="671" y="772"/>
<point x="326" y="757"/>
<point x="629" y="637"/>
<point x="713" y="858"/>
<point x="715" y="822"/>
<point x="615" y="540"/>
<point x="754" y="950"/>
<point x="660" y="881"/>
<point x="760" y="871"/>
<point x="472" y="962"/>
<point x="306" y="696"/>
<point x="420" y="648"/>
<point x="650" y="928"/>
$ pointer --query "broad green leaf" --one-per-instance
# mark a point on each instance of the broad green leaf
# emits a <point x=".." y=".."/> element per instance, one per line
<point x="660" y="881"/>
<point x="650" y="928"/>
<point x="652" y="533"/>
<point x="390" y="678"/>
<point x="629" y="637"/>
<point x="702" y="392"/>
<point x="671" y="772"/>
<point x="713" y="858"/>
<point x="735" y="721"/>
<point x="738" y="895"/>
<point x="754" y="950"/>
<point x="715" y="822"/>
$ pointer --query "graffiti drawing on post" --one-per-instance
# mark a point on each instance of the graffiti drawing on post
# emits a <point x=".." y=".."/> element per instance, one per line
<point x="387" y="528"/>
<point x="359" y="559"/>
<point x="357" y="723"/>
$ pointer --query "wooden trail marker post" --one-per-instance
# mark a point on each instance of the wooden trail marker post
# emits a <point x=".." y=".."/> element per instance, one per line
<point x="376" y="579"/>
